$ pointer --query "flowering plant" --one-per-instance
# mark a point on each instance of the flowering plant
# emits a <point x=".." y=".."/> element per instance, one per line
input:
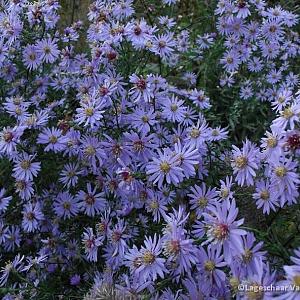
<point x="123" y="164"/>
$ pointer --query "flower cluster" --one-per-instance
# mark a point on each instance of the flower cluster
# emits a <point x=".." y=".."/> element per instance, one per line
<point x="113" y="172"/>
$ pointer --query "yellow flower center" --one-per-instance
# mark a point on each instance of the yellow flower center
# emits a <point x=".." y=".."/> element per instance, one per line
<point x="272" y="142"/>
<point x="89" y="150"/>
<point x="52" y="139"/>
<point x="165" y="167"/>
<point x="25" y="164"/>
<point x="148" y="257"/>
<point x="247" y="256"/>
<point x="209" y="266"/>
<point x="174" y="107"/>
<point x="202" y="202"/>
<point x="241" y="161"/>
<point x="287" y="113"/>
<point x="89" y="111"/>
<point x="296" y="280"/>
<point x="280" y="171"/>
<point x="195" y="133"/>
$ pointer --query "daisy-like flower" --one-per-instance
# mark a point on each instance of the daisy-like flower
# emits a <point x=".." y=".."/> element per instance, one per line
<point x="244" y="163"/>
<point x="198" y="134"/>
<point x="90" y="112"/>
<point x="24" y="189"/>
<point x="148" y="261"/>
<point x="92" y="151"/>
<point x="4" y="201"/>
<point x="142" y="89"/>
<point x="69" y="175"/>
<point x="211" y="263"/>
<point x="14" y="266"/>
<point x="65" y="205"/>
<point x="53" y="138"/>
<point x="218" y="134"/>
<point x="156" y="205"/>
<point x="48" y="50"/>
<point x="91" y="243"/>
<point x="288" y="116"/>
<point x="199" y="99"/>
<point x="223" y="229"/>
<point x="188" y="156"/>
<point x="31" y="58"/>
<point x="9" y="138"/>
<point x="173" y="109"/>
<point x="284" y="176"/>
<point x="164" y="45"/>
<point x="179" y="249"/>
<point x="165" y="167"/>
<point x="225" y="193"/>
<point x="91" y="202"/>
<point x="202" y="197"/>
<point x="265" y="196"/>
<point x="32" y="215"/>
<point x="24" y="168"/>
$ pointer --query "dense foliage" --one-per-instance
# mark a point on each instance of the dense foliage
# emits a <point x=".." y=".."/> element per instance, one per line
<point x="152" y="153"/>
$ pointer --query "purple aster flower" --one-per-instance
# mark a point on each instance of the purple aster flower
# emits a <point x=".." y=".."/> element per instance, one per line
<point x="69" y="175"/>
<point x="156" y="205"/>
<point x="9" y="138"/>
<point x="223" y="229"/>
<point x="210" y="264"/>
<point x="202" y="197"/>
<point x="90" y="112"/>
<point x="10" y="267"/>
<point x="31" y="58"/>
<point x="48" y="50"/>
<point x="75" y="280"/>
<point x="244" y="163"/>
<point x="32" y="215"/>
<point x="91" y="202"/>
<point x="53" y="138"/>
<point x="165" y="167"/>
<point x="24" y="168"/>
<point x="91" y="151"/>
<point x="13" y="238"/>
<point x="179" y="250"/>
<point x="118" y="237"/>
<point x="284" y="177"/>
<point x="148" y="263"/>
<point x="142" y="89"/>
<point x="173" y="109"/>
<point x="198" y="134"/>
<point x="91" y="244"/>
<point x="163" y="45"/>
<point x="65" y="206"/>
<point x="24" y="189"/>
<point x="4" y="201"/>
<point x="265" y="196"/>
<point x="142" y="119"/>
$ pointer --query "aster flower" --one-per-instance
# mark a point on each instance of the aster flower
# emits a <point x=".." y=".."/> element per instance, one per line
<point x="31" y="58"/>
<point x="9" y="138"/>
<point x="13" y="238"/>
<point x="148" y="261"/>
<point x="265" y="196"/>
<point x="173" y="109"/>
<point x="14" y="266"/>
<point x="284" y="179"/>
<point x="24" y="168"/>
<point x="65" y="206"/>
<point x="179" y="249"/>
<point x="91" y="244"/>
<point x="244" y="163"/>
<point x="223" y="229"/>
<point x="32" y="215"/>
<point x="48" y="50"/>
<point x="53" y="138"/>
<point x="4" y="201"/>
<point x="69" y="175"/>
<point x="90" y="112"/>
<point x="201" y="198"/>
<point x="142" y="89"/>
<point x="165" y="167"/>
<point x="198" y="134"/>
<point x="163" y="45"/>
<point x="156" y="205"/>
<point x="91" y="202"/>
<point x="210" y="263"/>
